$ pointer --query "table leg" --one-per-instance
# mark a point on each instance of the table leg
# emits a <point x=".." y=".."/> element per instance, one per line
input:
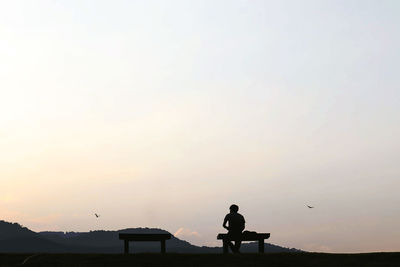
<point x="162" y="246"/>
<point x="126" y="246"/>
<point x="225" y="246"/>
<point x="261" y="245"/>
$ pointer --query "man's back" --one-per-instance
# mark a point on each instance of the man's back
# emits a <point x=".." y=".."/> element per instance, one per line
<point x="235" y="221"/>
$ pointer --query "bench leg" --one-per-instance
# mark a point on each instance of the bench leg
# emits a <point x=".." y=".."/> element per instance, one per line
<point x="261" y="245"/>
<point x="162" y="246"/>
<point x="126" y="246"/>
<point x="225" y="246"/>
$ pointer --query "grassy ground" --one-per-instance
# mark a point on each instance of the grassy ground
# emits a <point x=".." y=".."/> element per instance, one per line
<point x="275" y="259"/>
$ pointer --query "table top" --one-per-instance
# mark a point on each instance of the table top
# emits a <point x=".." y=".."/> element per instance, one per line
<point x="144" y="237"/>
<point x="251" y="236"/>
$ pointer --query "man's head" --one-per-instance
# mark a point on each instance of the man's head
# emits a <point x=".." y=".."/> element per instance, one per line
<point x="234" y="208"/>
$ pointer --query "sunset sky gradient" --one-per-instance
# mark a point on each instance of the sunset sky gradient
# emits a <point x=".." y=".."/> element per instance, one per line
<point x="163" y="113"/>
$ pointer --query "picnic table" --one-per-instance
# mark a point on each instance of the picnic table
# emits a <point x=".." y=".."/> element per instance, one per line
<point x="144" y="237"/>
<point x="246" y="236"/>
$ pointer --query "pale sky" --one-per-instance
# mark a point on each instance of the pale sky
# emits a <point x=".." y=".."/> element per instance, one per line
<point x="163" y="113"/>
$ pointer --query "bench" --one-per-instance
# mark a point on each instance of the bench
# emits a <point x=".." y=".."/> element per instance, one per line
<point x="249" y="236"/>
<point x="144" y="237"/>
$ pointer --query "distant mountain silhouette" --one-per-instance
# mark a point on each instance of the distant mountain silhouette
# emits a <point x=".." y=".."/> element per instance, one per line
<point x="16" y="238"/>
<point x="14" y="230"/>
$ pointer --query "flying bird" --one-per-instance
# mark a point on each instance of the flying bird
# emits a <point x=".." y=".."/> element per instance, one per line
<point x="309" y="207"/>
<point x="97" y="216"/>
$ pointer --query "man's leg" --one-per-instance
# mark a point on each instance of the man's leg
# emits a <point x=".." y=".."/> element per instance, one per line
<point x="232" y="246"/>
<point x="235" y="236"/>
<point x="238" y="242"/>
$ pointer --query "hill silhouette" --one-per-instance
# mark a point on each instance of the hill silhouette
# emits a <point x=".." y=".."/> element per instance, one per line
<point x="16" y="238"/>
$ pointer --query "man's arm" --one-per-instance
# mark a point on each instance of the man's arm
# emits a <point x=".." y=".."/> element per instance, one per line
<point x="225" y="221"/>
<point x="243" y="223"/>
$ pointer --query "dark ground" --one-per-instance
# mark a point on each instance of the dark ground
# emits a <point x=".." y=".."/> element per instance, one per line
<point x="273" y="259"/>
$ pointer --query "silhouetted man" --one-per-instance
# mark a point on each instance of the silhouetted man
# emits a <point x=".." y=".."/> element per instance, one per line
<point x="235" y="227"/>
